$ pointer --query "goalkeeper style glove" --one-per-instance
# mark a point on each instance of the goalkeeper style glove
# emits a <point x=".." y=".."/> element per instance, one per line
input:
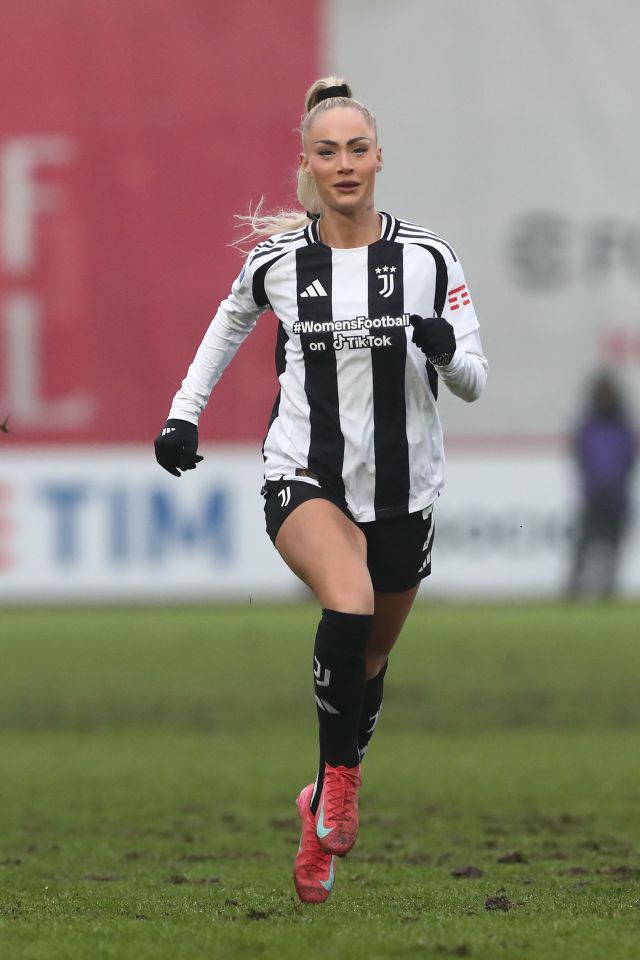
<point x="176" y="446"/>
<point x="435" y="337"/>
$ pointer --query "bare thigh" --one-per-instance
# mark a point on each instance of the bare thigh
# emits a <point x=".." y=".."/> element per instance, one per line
<point x="390" y="612"/>
<point x="329" y="553"/>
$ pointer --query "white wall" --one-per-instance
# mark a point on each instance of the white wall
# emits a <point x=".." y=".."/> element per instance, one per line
<point x="511" y="127"/>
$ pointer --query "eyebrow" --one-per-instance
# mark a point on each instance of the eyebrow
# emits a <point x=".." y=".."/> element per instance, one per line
<point x="334" y="143"/>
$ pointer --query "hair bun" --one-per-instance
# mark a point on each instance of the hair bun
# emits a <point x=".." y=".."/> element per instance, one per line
<point x="324" y="89"/>
<point x="339" y="91"/>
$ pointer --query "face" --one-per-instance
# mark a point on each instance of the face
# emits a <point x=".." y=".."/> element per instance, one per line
<point x="341" y="154"/>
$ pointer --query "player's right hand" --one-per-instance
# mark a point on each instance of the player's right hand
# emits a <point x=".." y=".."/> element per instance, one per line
<point x="176" y="446"/>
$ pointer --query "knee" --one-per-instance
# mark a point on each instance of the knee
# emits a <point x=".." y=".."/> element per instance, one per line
<point x="374" y="664"/>
<point x="349" y="595"/>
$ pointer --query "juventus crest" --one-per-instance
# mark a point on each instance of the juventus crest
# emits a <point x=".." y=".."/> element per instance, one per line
<point x="387" y="279"/>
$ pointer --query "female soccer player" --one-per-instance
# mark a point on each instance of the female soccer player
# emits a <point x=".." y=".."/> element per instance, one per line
<point x="373" y="311"/>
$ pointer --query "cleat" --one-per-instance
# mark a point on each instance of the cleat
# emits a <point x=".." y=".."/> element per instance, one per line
<point x="313" y="870"/>
<point x="337" y="817"/>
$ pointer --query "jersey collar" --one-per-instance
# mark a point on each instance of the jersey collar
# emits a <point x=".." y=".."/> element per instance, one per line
<point x="312" y="231"/>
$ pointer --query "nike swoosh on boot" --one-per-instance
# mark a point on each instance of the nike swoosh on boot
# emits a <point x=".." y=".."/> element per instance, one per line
<point x="321" y="830"/>
<point x="328" y="883"/>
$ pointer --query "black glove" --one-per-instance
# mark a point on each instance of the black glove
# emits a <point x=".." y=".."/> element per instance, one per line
<point x="176" y="446"/>
<point x="435" y="337"/>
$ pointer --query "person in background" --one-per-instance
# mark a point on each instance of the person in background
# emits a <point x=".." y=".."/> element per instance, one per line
<point x="605" y="450"/>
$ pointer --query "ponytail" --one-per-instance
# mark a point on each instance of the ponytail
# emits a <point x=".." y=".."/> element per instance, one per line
<point x="324" y="94"/>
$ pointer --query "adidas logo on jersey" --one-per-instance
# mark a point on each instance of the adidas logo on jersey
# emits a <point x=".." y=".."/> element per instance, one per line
<point x="314" y="289"/>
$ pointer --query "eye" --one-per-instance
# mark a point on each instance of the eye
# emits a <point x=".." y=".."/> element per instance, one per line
<point x="325" y="152"/>
<point x="361" y="149"/>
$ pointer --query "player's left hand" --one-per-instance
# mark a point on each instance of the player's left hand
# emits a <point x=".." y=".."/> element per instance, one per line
<point x="435" y="337"/>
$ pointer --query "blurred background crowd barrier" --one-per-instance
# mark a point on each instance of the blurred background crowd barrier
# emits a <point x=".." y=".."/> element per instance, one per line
<point x="130" y="134"/>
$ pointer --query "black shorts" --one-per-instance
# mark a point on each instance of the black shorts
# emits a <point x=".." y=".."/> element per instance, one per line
<point x="398" y="549"/>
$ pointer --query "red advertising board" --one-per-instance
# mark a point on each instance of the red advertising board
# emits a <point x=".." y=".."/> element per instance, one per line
<point x="132" y="134"/>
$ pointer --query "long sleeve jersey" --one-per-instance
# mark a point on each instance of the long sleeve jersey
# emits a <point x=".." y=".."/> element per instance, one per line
<point x="356" y="408"/>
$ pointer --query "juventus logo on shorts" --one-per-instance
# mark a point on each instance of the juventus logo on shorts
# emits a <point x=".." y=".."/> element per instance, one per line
<point x="285" y="496"/>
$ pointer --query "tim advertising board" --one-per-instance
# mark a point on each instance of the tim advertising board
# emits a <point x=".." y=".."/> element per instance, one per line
<point x="108" y="523"/>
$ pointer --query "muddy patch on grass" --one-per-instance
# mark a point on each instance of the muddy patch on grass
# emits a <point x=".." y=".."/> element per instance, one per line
<point x="610" y="846"/>
<point x="180" y="878"/>
<point x="231" y="820"/>
<point x="468" y="872"/>
<point x="417" y="859"/>
<point x="622" y="871"/>
<point x="514" y="856"/>
<point x="498" y="902"/>
<point x="563" y="823"/>
<point x="258" y="914"/>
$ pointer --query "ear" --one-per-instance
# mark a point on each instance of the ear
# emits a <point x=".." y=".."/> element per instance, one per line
<point x="304" y="165"/>
<point x="379" y="163"/>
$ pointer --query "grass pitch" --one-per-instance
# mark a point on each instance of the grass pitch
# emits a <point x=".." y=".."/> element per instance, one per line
<point x="150" y="760"/>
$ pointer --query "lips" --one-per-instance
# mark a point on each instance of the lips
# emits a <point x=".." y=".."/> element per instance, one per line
<point x="347" y="185"/>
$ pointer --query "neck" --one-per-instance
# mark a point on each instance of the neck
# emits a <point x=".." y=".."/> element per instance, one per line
<point x="344" y="230"/>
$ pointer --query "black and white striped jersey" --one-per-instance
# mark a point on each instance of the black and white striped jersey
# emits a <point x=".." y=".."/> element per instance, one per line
<point x="357" y="400"/>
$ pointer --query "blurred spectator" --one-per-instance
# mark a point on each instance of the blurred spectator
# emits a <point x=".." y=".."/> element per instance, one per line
<point x="605" y="450"/>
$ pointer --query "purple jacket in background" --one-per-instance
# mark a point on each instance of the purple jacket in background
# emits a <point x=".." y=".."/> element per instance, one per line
<point x="606" y="451"/>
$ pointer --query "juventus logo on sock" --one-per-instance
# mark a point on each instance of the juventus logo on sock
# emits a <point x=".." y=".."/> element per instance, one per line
<point x="339" y="682"/>
<point x="373" y="720"/>
<point x="326" y="706"/>
<point x="322" y="677"/>
<point x="322" y="674"/>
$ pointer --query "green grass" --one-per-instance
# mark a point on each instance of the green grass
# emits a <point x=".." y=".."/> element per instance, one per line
<point x="150" y="759"/>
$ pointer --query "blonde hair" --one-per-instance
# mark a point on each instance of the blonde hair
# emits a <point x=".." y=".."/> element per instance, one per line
<point x="264" y="225"/>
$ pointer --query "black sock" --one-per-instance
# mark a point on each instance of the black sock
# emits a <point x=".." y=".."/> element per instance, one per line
<point x="339" y="682"/>
<point x="371" y="707"/>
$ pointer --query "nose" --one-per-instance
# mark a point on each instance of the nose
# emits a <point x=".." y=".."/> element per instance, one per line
<point x="345" y="165"/>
